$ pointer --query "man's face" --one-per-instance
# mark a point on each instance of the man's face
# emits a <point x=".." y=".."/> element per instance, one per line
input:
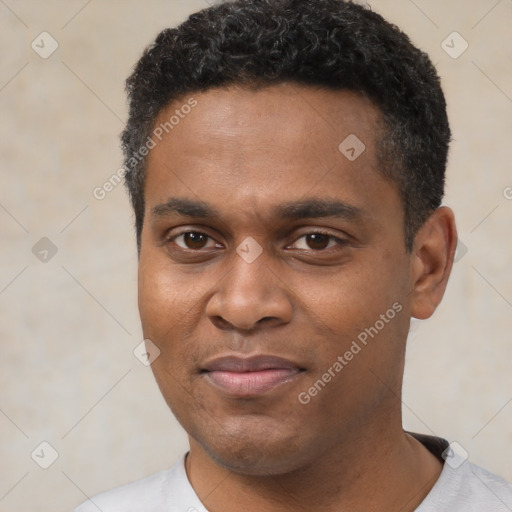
<point x="263" y="237"/>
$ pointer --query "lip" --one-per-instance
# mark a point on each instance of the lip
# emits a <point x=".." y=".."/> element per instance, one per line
<point x="250" y="376"/>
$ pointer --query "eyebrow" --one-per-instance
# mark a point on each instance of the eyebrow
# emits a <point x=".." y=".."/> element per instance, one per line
<point x="315" y="208"/>
<point x="305" y="209"/>
<point x="186" y="208"/>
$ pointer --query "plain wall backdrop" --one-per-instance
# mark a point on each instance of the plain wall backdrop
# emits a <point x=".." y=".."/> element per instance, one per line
<point x="68" y="262"/>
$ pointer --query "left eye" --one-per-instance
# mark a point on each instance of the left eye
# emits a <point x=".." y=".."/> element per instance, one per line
<point x="317" y="241"/>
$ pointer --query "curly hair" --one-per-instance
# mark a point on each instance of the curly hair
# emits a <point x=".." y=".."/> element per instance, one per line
<point x="335" y="44"/>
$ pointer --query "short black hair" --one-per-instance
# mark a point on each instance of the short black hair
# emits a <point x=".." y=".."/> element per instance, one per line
<point x="335" y="44"/>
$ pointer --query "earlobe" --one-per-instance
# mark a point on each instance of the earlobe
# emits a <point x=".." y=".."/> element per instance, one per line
<point x="431" y="262"/>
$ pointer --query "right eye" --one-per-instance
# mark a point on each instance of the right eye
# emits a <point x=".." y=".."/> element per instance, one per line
<point x="192" y="240"/>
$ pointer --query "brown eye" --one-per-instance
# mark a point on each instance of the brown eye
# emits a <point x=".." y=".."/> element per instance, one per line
<point x="192" y="240"/>
<point x="195" y="240"/>
<point x="318" y="241"/>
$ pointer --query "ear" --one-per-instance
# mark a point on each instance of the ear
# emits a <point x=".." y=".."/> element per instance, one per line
<point x="431" y="261"/>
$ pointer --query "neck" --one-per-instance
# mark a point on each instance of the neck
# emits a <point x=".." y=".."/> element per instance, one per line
<point x="390" y="471"/>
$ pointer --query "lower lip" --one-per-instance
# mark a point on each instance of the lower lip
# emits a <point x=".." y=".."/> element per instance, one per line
<point x="251" y="383"/>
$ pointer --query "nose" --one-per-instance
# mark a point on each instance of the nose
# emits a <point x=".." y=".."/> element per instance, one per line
<point x="249" y="296"/>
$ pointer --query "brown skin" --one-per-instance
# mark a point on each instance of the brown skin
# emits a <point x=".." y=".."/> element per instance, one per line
<point x="243" y="152"/>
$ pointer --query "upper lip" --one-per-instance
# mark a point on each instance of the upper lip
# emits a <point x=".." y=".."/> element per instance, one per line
<point x="248" y="364"/>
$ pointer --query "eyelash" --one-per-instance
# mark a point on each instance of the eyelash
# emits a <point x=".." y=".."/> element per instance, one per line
<point x="340" y="241"/>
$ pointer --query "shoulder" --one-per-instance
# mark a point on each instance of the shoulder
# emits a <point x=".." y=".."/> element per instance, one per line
<point x="167" y="491"/>
<point x="464" y="486"/>
<point x="131" y="497"/>
<point x="489" y="487"/>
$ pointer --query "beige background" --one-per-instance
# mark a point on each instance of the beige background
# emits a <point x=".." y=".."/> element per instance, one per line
<point x="69" y="325"/>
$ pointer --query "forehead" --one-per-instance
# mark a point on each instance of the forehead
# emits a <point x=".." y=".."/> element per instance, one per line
<point x="257" y="146"/>
<point x="297" y="111"/>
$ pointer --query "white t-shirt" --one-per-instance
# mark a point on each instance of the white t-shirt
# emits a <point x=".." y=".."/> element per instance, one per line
<point x="461" y="487"/>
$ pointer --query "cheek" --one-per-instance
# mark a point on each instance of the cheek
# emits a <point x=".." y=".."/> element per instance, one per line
<point x="171" y="305"/>
<point x="353" y="298"/>
<point x="156" y="300"/>
<point x="362" y="315"/>
<point x="165" y="300"/>
<point x="165" y="314"/>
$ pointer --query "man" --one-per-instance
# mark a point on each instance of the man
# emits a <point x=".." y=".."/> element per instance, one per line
<point x="285" y="161"/>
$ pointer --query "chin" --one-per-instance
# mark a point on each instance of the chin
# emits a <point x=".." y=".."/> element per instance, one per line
<point x="257" y="448"/>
